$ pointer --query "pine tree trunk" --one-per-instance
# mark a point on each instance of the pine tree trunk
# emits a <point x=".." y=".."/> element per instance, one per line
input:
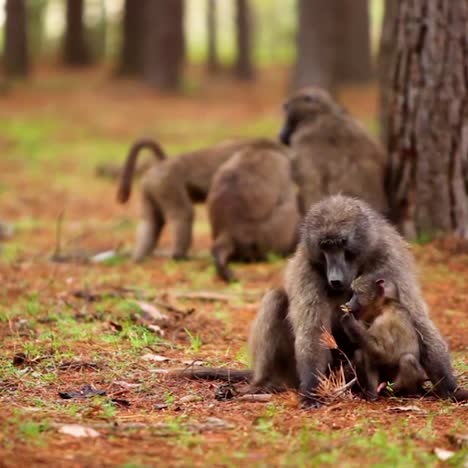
<point x="164" y="44"/>
<point x="317" y="44"/>
<point x="386" y="63"/>
<point x="354" y="54"/>
<point x="133" y="38"/>
<point x="428" y="118"/>
<point x="244" y="67"/>
<point x="212" y="37"/>
<point x="15" y="57"/>
<point x="75" y="51"/>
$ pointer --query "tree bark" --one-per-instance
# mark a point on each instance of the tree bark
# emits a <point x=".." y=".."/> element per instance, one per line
<point x="164" y="44"/>
<point x="386" y="64"/>
<point x="212" y="37"/>
<point x="133" y="38"/>
<point x="15" y="57"/>
<point x="317" y="44"/>
<point x="354" y="54"/>
<point x="244" y="68"/>
<point x="76" y="51"/>
<point x="427" y="118"/>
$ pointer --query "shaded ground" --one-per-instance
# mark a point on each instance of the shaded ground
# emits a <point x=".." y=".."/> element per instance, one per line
<point x="53" y="133"/>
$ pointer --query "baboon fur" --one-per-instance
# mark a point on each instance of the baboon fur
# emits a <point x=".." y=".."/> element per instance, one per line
<point x="342" y="238"/>
<point x="168" y="191"/>
<point x="332" y="153"/>
<point x="388" y="345"/>
<point x="252" y="206"/>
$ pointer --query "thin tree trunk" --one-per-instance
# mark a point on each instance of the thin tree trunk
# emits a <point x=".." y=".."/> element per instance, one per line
<point x="164" y="45"/>
<point x="244" y="68"/>
<point x="15" y="57"/>
<point x="212" y="37"/>
<point x="317" y="44"/>
<point x="133" y="38"/>
<point x="76" y="51"/>
<point x="428" y="118"/>
<point x="386" y="64"/>
<point x="354" y="54"/>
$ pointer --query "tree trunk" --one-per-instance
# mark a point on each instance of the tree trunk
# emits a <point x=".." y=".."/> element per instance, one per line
<point x="212" y="37"/>
<point x="428" y="118"/>
<point x="354" y="54"/>
<point x="15" y="58"/>
<point x="164" y="45"/>
<point x="317" y="44"/>
<point x="244" y="67"/>
<point x="133" y="38"/>
<point x="75" y="51"/>
<point x="386" y="63"/>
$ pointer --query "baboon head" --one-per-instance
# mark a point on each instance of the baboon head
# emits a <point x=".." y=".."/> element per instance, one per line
<point x="340" y="240"/>
<point x="370" y="293"/>
<point x="306" y="105"/>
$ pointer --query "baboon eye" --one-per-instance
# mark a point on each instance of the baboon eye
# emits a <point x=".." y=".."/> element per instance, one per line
<point x="308" y="98"/>
<point x="349" y="256"/>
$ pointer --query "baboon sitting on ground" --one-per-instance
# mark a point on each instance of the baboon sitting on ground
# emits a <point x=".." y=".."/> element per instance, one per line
<point x="252" y="206"/>
<point x="332" y="153"/>
<point x="168" y="191"/>
<point x="341" y="238"/>
<point x="388" y="345"/>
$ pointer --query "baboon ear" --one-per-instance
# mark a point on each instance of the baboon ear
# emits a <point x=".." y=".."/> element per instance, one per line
<point x="381" y="286"/>
<point x="387" y="289"/>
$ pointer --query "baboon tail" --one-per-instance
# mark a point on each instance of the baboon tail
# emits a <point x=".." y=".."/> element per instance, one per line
<point x="125" y="185"/>
<point x="215" y="373"/>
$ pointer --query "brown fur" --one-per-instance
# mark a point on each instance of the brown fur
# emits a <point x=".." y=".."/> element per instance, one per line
<point x="252" y="206"/>
<point x="332" y="152"/>
<point x="168" y="191"/>
<point x="388" y="345"/>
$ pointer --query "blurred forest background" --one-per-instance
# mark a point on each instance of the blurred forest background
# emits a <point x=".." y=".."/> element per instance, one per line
<point x="325" y="42"/>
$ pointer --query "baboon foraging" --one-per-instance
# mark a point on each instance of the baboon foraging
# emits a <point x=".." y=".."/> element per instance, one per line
<point x="388" y="345"/>
<point x="332" y="152"/>
<point x="252" y="206"/>
<point x="341" y="238"/>
<point x="168" y="190"/>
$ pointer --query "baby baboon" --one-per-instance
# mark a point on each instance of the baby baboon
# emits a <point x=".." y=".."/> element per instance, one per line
<point x="332" y="152"/>
<point x="388" y="345"/>
<point x="252" y="206"/>
<point x="169" y="189"/>
<point x="341" y="238"/>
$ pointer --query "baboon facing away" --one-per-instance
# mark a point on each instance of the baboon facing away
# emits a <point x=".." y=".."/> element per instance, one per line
<point x="252" y="206"/>
<point x="341" y="238"/>
<point x="168" y="191"/>
<point x="332" y="152"/>
<point x="388" y="345"/>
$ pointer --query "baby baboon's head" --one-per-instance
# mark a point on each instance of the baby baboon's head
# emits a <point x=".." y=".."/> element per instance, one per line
<point x="370" y="293"/>
<point x="305" y="105"/>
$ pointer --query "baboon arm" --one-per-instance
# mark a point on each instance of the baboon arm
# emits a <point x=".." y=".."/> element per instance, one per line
<point x="358" y="335"/>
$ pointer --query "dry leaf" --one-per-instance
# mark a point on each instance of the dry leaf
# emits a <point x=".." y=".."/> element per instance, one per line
<point x="256" y="398"/>
<point x="152" y="312"/>
<point x="155" y="358"/>
<point x="406" y="409"/>
<point x="76" y="430"/>
<point x="103" y="256"/>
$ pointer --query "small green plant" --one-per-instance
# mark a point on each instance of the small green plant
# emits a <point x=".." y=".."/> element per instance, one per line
<point x="195" y="341"/>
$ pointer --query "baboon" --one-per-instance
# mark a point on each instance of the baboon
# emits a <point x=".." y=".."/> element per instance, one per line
<point x="388" y="345"/>
<point x="168" y="190"/>
<point x="341" y="238"/>
<point x="332" y="152"/>
<point x="252" y="205"/>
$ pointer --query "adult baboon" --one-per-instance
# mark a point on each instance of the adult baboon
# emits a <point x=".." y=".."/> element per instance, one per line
<point x="252" y="205"/>
<point x="341" y="238"/>
<point x="388" y="345"/>
<point x="332" y="152"/>
<point x="168" y="191"/>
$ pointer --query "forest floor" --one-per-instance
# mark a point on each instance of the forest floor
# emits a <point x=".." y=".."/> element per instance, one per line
<point x="67" y="325"/>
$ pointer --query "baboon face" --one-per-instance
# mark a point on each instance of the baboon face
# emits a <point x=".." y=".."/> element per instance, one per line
<point x="338" y="259"/>
<point x="307" y="104"/>
<point x="369" y="292"/>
